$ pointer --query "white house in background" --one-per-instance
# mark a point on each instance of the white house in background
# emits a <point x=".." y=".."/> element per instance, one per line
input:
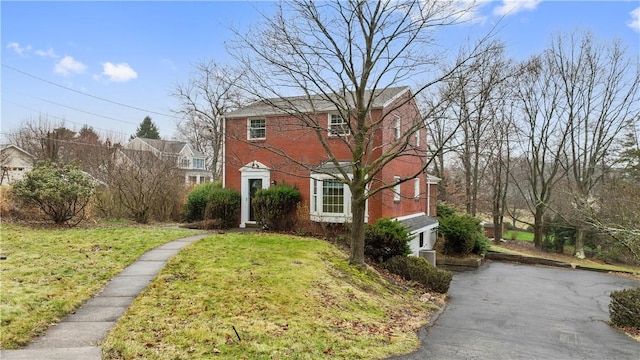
<point x="191" y="162"/>
<point x="15" y="162"/>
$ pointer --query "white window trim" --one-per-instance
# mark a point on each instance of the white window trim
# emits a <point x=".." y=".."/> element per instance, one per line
<point x="315" y="203"/>
<point x="249" y="128"/>
<point x="397" y="127"/>
<point x="418" y="138"/>
<point x="345" y="126"/>
<point x="396" y="189"/>
<point x="416" y="188"/>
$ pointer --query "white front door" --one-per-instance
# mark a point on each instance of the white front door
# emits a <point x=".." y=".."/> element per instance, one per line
<point x="255" y="176"/>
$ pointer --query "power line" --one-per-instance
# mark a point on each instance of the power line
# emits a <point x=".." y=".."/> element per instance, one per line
<point x="87" y="112"/>
<point x="82" y="111"/>
<point x="64" y="120"/>
<point x="85" y="94"/>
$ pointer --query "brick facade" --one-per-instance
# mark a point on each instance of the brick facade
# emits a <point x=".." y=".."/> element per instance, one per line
<point x="286" y="138"/>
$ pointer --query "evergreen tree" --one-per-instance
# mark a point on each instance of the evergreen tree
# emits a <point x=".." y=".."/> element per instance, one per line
<point x="147" y="129"/>
<point x="630" y="153"/>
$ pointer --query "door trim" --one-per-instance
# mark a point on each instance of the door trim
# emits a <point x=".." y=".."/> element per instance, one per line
<point x="252" y="170"/>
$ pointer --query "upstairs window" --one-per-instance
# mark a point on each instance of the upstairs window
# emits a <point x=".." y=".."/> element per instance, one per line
<point x="396" y="189"/>
<point x="257" y="129"/>
<point x="198" y="163"/>
<point x="418" y="138"/>
<point x="184" y="163"/>
<point x="337" y="126"/>
<point x="396" y="127"/>
<point x="416" y="188"/>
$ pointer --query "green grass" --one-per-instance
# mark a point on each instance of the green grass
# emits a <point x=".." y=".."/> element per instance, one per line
<point x="519" y="235"/>
<point x="50" y="272"/>
<point x="287" y="298"/>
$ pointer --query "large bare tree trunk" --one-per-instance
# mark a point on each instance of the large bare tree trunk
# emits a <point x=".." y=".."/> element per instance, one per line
<point x="357" y="226"/>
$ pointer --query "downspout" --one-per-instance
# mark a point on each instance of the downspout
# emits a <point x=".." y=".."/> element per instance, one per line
<point x="224" y="152"/>
<point x="428" y="196"/>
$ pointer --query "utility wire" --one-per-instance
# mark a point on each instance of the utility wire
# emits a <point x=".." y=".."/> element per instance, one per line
<point x="64" y="120"/>
<point x="85" y="94"/>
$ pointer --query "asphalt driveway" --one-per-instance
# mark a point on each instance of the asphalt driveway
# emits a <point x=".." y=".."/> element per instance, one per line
<point x="510" y="311"/>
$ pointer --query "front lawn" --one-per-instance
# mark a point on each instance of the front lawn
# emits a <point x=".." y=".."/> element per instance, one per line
<point x="48" y="273"/>
<point x="268" y="296"/>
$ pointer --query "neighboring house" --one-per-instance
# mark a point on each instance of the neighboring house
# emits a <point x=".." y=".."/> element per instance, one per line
<point x="192" y="163"/>
<point x="249" y="165"/>
<point x="15" y="162"/>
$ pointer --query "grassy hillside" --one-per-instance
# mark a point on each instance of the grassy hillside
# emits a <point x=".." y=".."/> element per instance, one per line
<point x="48" y="273"/>
<point x="260" y="296"/>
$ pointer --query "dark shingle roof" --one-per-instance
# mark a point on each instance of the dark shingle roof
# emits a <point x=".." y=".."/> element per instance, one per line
<point x="418" y="222"/>
<point x="311" y="103"/>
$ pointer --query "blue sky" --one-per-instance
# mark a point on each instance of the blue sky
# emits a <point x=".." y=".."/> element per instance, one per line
<point x="110" y="64"/>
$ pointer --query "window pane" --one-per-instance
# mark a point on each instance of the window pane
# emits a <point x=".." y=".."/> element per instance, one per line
<point x="257" y="129"/>
<point x="337" y="125"/>
<point x="332" y="197"/>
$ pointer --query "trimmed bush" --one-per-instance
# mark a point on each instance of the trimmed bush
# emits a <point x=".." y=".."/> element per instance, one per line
<point x="223" y="206"/>
<point x="275" y="207"/>
<point x="386" y="239"/>
<point x="419" y="270"/>
<point x="624" y="308"/>
<point x="461" y="233"/>
<point x="197" y="201"/>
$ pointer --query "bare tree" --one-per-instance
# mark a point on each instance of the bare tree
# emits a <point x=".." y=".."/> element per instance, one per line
<point x="473" y="98"/>
<point x="5" y="160"/>
<point x="542" y="136"/>
<point x="209" y="94"/>
<point x="144" y="183"/>
<point x="37" y="137"/>
<point x="499" y="160"/>
<point x="599" y="88"/>
<point x="345" y="53"/>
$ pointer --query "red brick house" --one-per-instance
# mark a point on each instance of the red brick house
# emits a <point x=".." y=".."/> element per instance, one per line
<point x="265" y="144"/>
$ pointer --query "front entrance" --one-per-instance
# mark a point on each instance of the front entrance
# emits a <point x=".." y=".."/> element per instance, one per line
<point x="254" y="176"/>
<point x="254" y="186"/>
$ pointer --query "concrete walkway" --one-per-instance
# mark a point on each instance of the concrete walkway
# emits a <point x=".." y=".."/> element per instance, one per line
<point x="77" y="335"/>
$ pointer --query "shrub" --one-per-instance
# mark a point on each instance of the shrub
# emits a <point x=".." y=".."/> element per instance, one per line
<point x="223" y="205"/>
<point x="444" y="210"/>
<point x="481" y="246"/>
<point x="461" y="233"/>
<point x="386" y="239"/>
<point x="624" y="308"/>
<point x="275" y="207"/>
<point x="197" y="201"/>
<point x="419" y="270"/>
<point x="61" y="192"/>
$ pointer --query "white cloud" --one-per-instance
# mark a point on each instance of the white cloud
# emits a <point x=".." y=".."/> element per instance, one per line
<point x="47" y="53"/>
<point x="118" y="72"/>
<point x="68" y="65"/>
<point x="634" y="23"/>
<point x="510" y="7"/>
<point x="18" y="49"/>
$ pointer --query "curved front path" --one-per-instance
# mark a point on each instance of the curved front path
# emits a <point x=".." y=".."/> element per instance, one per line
<point x="77" y="335"/>
<point x="509" y="311"/>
